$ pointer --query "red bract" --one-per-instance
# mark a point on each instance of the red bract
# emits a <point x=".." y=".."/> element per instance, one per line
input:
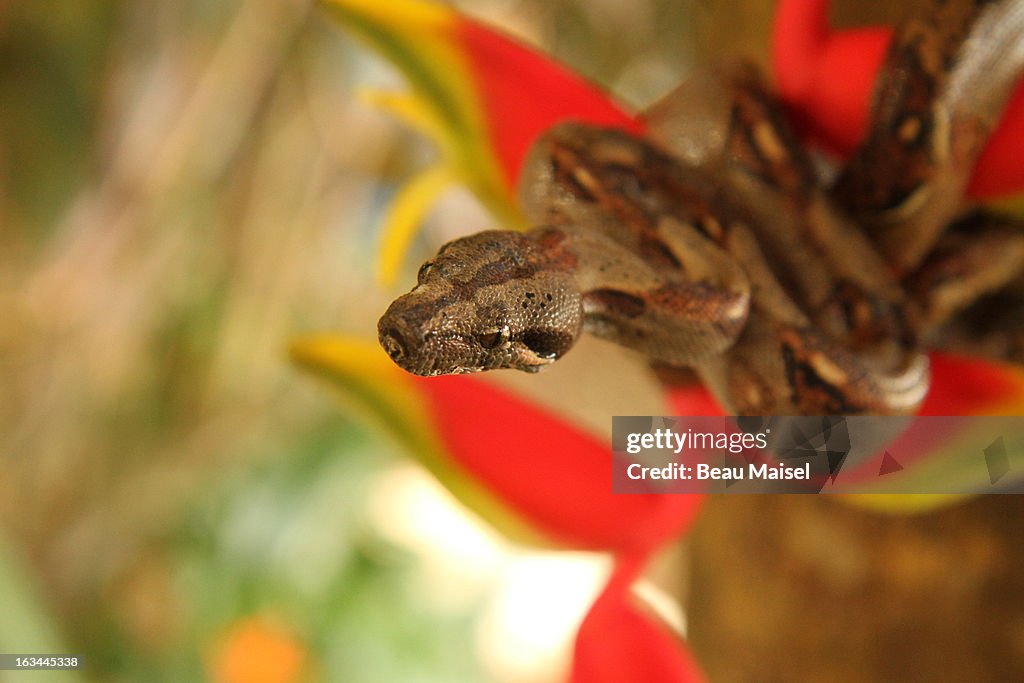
<point x="525" y="93"/>
<point x="621" y="641"/>
<point x="973" y="386"/>
<point x="550" y="471"/>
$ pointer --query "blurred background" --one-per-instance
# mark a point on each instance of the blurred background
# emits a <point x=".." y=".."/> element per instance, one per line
<point x="184" y="187"/>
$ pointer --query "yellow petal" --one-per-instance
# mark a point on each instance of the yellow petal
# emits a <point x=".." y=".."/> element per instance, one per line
<point x="904" y="503"/>
<point x="410" y="109"/>
<point x="407" y="212"/>
<point x="1014" y="205"/>
<point x="420" y="38"/>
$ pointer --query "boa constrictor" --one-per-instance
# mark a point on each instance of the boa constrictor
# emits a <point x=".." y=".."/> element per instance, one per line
<point x="714" y="243"/>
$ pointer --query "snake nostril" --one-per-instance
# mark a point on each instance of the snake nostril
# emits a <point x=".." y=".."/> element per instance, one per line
<point x="394" y="344"/>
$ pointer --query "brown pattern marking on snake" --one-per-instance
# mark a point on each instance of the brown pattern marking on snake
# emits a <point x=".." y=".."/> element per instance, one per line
<point x="625" y="304"/>
<point x="815" y="379"/>
<point x="639" y="194"/>
<point x="892" y="170"/>
<point x="869" y="320"/>
<point x="764" y="144"/>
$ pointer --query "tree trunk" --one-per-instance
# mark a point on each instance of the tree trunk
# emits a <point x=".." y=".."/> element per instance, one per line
<point x="793" y="588"/>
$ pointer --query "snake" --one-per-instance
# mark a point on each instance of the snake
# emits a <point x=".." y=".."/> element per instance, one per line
<point x="719" y="243"/>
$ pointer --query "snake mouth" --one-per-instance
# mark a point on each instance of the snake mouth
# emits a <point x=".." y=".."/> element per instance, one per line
<point x="425" y="355"/>
<point x="528" y="360"/>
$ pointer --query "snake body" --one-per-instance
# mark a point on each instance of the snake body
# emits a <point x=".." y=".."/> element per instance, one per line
<point x="714" y="244"/>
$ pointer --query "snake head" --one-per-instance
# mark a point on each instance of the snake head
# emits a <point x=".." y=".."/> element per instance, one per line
<point x="491" y="300"/>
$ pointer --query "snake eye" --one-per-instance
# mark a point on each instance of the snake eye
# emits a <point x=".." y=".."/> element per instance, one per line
<point x="491" y="340"/>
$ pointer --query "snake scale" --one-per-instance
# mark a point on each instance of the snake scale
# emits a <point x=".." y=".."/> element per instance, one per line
<point x="715" y="243"/>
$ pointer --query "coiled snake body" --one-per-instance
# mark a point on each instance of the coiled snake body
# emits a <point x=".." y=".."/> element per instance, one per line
<point x="714" y="244"/>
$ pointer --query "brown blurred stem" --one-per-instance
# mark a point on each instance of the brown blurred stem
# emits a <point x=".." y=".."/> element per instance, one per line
<point x="794" y="588"/>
